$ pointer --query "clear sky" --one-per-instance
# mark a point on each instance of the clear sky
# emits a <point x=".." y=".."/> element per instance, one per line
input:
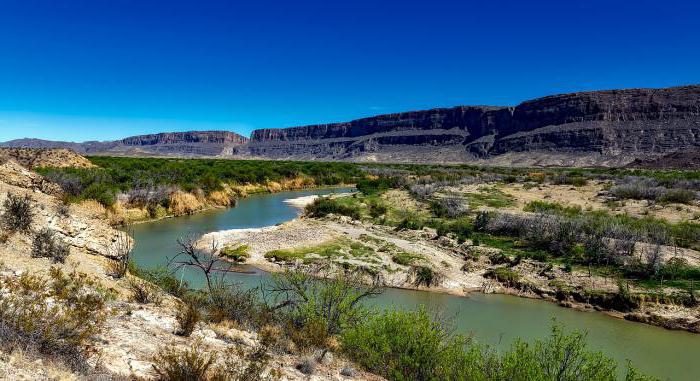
<point x="105" y="69"/>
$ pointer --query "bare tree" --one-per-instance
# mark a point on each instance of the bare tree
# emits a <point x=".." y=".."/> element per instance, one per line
<point x="191" y="255"/>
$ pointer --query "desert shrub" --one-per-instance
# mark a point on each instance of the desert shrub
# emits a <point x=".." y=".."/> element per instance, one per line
<point x="57" y="318"/>
<point x="71" y="184"/>
<point x="308" y="365"/>
<point x="449" y="207"/>
<point x="187" y="318"/>
<point x="144" y="292"/>
<point x="377" y="186"/>
<point x="638" y="188"/>
<point x="482" y="220"/>
<point x="195" y="363"/>
<point x="538" y="206"/>
<point x="569" y="179"/>
<point x="324" y="206"/>
<point x="317" y="299"/>
<point x="411" y="346"/>
<point x="163" y="278"/>
<point x="238" y="254"/>
<point x="18" y="214"/>
<point x="505" y="275"/>
<point x="46" y="245"/>
<point x="681" y="196"/>
<point x="644" y="188"/>
<point x="402" y="345"/>
<point x="225" y="301"/>
<point x="410" y="222"/>
<point x="422" y="191"/>
<point x="377" y="209"/>
<point x="424" y="275"/>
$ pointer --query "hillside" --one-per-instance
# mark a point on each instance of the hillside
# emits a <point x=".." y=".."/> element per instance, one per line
<point x="45" y="157"/>
<point x="598" y="128"/>
<point x="65" y="314"/>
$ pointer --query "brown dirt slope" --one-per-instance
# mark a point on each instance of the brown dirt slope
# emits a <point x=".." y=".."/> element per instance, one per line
<point x="45" y="157"/>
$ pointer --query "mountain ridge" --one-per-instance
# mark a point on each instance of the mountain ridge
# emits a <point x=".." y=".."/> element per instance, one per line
<point x="607" y="127"/>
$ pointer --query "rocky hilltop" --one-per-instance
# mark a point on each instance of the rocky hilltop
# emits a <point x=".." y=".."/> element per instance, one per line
<point x="45" y="157"/>
<point x="609" y="128"/>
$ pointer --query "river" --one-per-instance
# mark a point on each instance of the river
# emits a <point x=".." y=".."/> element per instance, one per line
<point x="492" y="319"/>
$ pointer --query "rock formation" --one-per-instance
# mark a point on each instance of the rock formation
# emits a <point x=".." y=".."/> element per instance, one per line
<point x="611" y="128"/>
<point x="590" y="128"/>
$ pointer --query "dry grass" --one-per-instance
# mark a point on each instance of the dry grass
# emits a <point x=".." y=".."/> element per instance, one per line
<point x="182" y="203"/>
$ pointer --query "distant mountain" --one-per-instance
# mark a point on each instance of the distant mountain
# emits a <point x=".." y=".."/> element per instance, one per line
<point x="193" y="143"/>
<point x="611" y="128"/>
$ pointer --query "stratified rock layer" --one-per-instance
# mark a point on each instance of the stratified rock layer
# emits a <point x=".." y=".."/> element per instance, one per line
<point x="602" y="127"/>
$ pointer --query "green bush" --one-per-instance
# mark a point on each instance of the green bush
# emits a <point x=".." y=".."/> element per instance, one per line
<point x="324" y="206"/>
<point x="411" y="222"/>
<point x="461" y="228"/>
<point x="424" y="275"/>
<point x="504" y="275"/>
<point x="551" y="208"/>
<point x="314" y="299"/>
<point x="681" y="196"/>
<point x="377" y="209"/>
<point x="99" y="192"/>
<point x="402" y="346"/>
<point x="380" y="185"/>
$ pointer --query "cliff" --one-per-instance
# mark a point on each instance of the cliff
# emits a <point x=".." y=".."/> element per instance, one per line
<point x="612" y="127"/>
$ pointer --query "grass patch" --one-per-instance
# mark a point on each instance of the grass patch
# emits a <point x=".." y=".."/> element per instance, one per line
<point x="333" y="250"/>
<point x="406" y="259"/>
<point x="238" y="254"/>
<point x="551" y="208"/>
<point x="491" y="197"/>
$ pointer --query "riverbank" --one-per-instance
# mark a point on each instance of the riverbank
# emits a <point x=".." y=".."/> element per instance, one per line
<point x="188" y="203"/>
<point x="419" y="260"/>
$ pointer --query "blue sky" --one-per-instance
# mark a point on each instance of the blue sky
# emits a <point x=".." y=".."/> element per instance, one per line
<point x="96" y="70"/>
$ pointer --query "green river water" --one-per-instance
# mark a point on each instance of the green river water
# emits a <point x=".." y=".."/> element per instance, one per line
<point x="493" y="319"/>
